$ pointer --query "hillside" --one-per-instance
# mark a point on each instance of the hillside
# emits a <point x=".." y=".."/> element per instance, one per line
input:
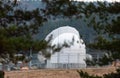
<point x="87" y="33"/>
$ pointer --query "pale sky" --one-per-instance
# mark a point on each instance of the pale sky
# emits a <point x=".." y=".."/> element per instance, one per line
<point x="32" y="4"/>
<point x="80" y="0"/>
<point x="99" y="0"/>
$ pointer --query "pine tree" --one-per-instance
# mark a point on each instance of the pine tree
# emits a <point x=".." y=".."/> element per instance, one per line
<point x="17" y="26"/>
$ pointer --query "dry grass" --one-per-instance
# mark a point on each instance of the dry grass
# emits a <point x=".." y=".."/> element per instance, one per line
<point x="57" y="73"/>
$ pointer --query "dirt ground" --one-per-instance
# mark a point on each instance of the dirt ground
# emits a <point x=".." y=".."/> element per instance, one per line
<point x="57" y="73"/>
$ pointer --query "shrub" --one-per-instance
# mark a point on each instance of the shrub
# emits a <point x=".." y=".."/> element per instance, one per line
<point x="110" y="75"/>
<point x="1" y="74"/>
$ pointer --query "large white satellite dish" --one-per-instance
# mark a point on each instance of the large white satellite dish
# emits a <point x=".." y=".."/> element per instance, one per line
<point x="73" y="56"/>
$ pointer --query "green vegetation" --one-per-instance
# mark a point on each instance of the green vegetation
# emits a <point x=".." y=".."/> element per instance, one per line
<point x="110" y="75"/>
<point x="1" y="74"/>
<point x="17" y="28"/>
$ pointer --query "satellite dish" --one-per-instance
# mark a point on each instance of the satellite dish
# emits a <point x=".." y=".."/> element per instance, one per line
<point x="75" y="54"/>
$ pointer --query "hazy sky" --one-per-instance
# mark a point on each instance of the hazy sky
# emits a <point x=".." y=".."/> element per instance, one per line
<point x="75" y="0"/>
<point x="32" y="4"/>
<point x="99" y="0"/>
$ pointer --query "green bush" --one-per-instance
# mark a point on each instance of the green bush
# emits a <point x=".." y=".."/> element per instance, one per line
<point x="110" y="75"/>
<point x="1" y="74"/>
<point x="86" y="75"/>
